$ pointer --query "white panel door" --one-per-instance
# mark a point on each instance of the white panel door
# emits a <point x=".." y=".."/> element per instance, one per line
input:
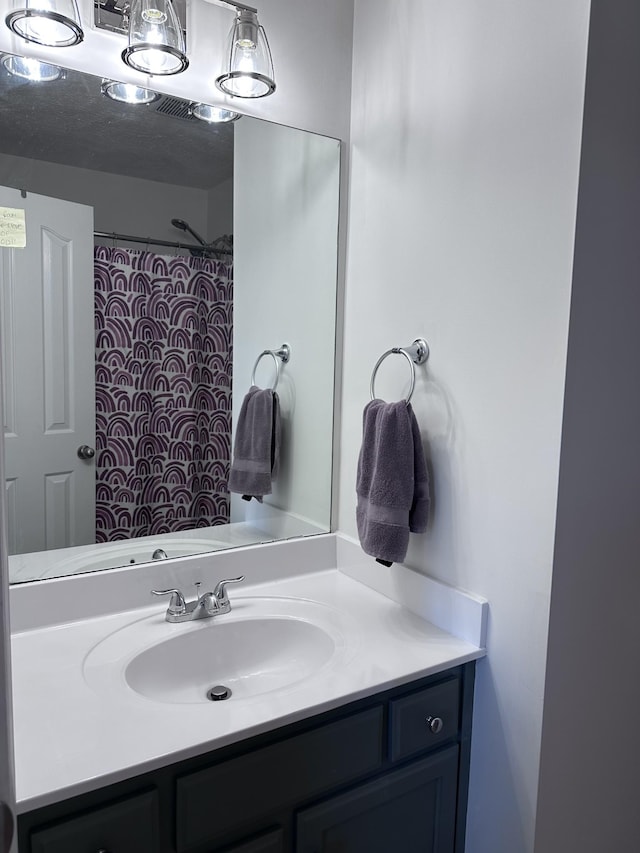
<point x="8" y="843"/>
<point x="7" y="790"/>
<point x="48" y="346"/>
<point x="7" y="795"/>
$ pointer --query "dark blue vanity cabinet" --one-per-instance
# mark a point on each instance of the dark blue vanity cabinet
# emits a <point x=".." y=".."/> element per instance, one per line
<point x="389" y="772"/>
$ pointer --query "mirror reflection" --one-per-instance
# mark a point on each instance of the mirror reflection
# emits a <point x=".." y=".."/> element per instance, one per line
<point x="163" y="256"/>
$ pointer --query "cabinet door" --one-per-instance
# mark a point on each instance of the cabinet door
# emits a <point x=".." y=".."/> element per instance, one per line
<point x="129" y="826"/>
<point x="412" y="810"/>
<point x="247" y="790"/>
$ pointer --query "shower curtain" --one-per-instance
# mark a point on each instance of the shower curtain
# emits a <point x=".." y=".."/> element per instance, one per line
<point x="163" y="392"/>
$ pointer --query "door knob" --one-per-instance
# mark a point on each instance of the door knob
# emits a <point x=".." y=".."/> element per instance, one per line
<point x="86" y="452"/>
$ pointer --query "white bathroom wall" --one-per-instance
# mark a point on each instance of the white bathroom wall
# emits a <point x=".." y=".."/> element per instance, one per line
<point x="220" y="210"/>
<point x="588" y="799"/>
<point x="125" y="205"/>
<point x="464" y="165"/>
<point x="285" y="241"/>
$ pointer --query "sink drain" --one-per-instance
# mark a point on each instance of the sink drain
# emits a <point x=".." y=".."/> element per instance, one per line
<point x="218" y="693"/>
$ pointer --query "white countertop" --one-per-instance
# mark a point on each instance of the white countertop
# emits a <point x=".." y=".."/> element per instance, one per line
<point x="71" y="738"/>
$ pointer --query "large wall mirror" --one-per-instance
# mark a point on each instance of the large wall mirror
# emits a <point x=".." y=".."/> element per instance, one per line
<point x="164" y="254"/>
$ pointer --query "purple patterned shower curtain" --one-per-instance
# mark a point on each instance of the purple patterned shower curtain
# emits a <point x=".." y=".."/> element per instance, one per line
<point x="163" y="392"/>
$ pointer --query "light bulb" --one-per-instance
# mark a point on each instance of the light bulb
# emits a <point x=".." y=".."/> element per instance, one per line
<point x="128" y="93"/>
<point x="32" y="69"/>
<point x="156" y="39"/>
<point x="214" y="115"/>
<point x="54" y="23"/>
<point x="249" y="71"/>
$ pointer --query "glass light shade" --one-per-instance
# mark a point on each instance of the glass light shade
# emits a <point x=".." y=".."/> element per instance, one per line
<point x="214" y="115"/>
<point x="54" y="23"/>
<point x="156" y="39"/>
<point x="31" y="69"/>
<point x="128" y="93"/>
<point x="250" y="66"/>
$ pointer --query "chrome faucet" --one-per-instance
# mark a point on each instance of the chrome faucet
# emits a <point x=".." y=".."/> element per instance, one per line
<point x="159" y="554"/>
<point x="202" y="607"/>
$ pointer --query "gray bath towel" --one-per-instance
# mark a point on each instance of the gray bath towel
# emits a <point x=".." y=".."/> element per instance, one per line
<point x="256" y="448"/>
<point x="392" y="483"/>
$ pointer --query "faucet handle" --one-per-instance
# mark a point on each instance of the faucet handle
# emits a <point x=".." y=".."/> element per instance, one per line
<point x="220" y="593"/>
<point x="177" y="604"/>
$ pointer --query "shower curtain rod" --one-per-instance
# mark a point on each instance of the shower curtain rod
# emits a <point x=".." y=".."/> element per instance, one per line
<point x="128" y="238"/>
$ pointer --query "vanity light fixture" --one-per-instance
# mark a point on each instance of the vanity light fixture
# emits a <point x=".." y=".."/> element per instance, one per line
<point x="156" y="30"/>
<point x="128" y="93"/>
<point x="249" y="69"/>
<point x="214" y="115"/>
<point x="53" y="23"/>
<point x="156" y="39"/>
<point x="31" y="69"/>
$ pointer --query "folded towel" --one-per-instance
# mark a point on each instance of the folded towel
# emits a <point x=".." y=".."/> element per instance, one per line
<point x="393" y="481"/>
<point x="256" y="448"/>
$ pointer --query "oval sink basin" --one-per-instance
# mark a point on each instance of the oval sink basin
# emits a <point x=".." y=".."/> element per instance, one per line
<point x="264" y="644"/>
<point x="249" y="656"/>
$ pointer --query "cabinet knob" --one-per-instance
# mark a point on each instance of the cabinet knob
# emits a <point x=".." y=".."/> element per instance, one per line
<point x="435" y="724"/>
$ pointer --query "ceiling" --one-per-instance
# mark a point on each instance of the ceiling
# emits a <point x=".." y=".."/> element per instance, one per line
<point x="71" y="122"/>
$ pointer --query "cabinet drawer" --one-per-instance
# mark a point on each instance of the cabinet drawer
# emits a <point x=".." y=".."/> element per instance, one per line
<point x="128" y="826"/>
<point x="413" y="720"/>
<point x="231" y="795"/>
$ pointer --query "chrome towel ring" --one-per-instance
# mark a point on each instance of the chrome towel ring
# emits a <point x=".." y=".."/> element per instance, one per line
<point x="417" y="353"/>
<point x="280" y="356"/>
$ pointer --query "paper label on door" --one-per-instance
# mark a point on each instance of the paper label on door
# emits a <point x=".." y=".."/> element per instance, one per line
<point x="13" y="228"/>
